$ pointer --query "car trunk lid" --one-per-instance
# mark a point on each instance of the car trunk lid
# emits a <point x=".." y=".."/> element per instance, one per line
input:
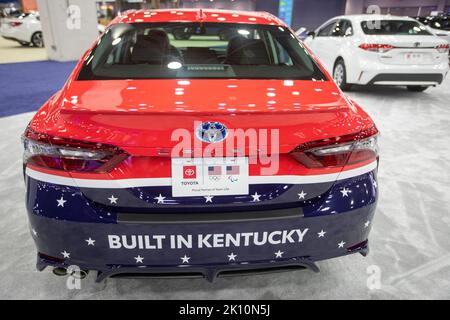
<point x="143" y="114"/>
<point x="409" y="50"/>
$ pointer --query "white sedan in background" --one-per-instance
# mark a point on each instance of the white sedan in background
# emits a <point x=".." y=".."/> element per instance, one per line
<point x="380" y="50"/>
<point x="25" y="29"/>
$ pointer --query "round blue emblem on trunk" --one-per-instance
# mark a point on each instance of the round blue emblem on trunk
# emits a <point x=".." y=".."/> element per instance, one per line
<point x="211" y="132"/>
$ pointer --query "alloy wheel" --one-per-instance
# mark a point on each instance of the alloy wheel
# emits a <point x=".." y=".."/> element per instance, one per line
<point x="338" y="75"/>
<point x="38" y="40"/>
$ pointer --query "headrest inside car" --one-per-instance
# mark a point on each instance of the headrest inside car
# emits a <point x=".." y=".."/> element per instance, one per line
<point x="242" y="51"/>
<point x="150" y="48"/>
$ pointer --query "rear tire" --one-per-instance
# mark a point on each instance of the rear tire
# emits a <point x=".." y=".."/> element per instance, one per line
<point x="340" y="75"/>
<point x="417" y="88"/>
<point x="37" y="40"/>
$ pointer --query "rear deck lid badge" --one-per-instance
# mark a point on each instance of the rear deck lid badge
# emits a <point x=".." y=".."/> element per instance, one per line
<point x="211" y="132"/>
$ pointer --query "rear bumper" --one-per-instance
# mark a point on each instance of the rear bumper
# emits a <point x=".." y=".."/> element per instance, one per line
<point x="264" y="240"/>
<point x="367" y="72"/>
<point x="11" y="38"/>
<point x="13" y="34"/>
<point x="208" y="246"/>
<point x="429" y="79"/>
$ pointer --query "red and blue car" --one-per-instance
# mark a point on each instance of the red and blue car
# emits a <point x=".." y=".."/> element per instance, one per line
<point x="198" y="143"/>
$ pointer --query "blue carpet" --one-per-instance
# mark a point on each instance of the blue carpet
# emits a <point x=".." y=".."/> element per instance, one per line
<point x="25" y="86"/>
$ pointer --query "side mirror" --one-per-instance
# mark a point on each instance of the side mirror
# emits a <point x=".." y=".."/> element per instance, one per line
<point x="311" y="34"/>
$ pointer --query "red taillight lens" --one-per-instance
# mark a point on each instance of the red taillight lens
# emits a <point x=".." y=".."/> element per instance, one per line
<point x="375" y="47"/>
<point x="50" y="152"/>
<point x="15" y="23"/>
<point x="339" y="151"/>
<point x="443" y="48"/>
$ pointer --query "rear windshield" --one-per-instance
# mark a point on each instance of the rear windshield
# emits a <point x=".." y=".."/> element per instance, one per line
<point x="199" y="50"/>
<point x="394" y="27"/>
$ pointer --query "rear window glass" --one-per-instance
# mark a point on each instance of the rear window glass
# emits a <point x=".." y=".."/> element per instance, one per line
<point x="199" y="50"/>
<point x="394" y="27"/>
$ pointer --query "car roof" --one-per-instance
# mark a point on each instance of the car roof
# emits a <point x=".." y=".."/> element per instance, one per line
<point x="365" y="17"/>
<point x="197" y="15"/>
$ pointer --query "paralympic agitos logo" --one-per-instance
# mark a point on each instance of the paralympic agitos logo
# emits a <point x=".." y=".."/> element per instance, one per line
<point x="203" y="241"/>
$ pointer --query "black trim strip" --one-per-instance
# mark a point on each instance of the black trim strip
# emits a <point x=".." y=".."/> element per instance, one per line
<point x="170" y="218"/>
<point x="218" y="271"/>
<point x="419" y="77"/>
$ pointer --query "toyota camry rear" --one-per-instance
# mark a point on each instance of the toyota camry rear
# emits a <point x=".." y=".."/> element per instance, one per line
<point x="226" y="149"/>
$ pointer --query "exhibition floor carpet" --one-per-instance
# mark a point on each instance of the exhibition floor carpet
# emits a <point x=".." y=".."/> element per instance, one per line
<point x="410" y="247"/>
<point x="11" y="51"/>
<point x="26" y="86"/>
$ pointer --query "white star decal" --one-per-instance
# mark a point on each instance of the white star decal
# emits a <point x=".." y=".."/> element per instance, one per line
<point x="113" y="199"/>
<point x="256" y="197"/>
<point x="302" y="195"/>
<point x="90" y="242"/>
<point x="341" y="244"/>
<point x="185" y="259"/>
<point x="65" y="254"/>
<point x="366" y="224"/>
<point x="279" y="254"/>
<point x="345" y="192"/>
<point x="321" y="234"/>
<point x="232" y="257"/>
<point x="34" y="232"/>
<point x="160" y="198"/>
<point x="139" y="259"/>
<point x="208" y="199"/>
<point x="375" y="184"/>
<point x="61" y="202"/>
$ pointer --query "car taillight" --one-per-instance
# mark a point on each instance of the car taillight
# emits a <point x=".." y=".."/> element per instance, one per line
<point x="51" y="152"/>
<point x="375" y="47"/>
<point x="15" y="23"/>
<point x="338" y="151"/>
<point x="443" y="48"/>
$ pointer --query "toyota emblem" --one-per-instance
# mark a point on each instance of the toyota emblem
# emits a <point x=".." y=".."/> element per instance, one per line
<point x="211" y="132"/>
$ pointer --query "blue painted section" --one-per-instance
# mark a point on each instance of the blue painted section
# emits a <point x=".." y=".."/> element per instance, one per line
<point x="24" y="87"/>
<point x="285" y="10"/>
<point x="207" y="245"/>
<point x="92" y="205"/>
<point x="79" y="226"/>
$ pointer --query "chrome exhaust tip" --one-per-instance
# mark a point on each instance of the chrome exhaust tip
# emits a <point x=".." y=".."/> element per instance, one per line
<point x="59" y="271"/>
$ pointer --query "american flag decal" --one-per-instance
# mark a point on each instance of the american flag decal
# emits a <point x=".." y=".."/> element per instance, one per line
<point x="232" y="170"/>
<point x="215" y="170"/>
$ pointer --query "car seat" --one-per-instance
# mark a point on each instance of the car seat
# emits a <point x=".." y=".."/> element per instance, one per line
<point x="242" y="51"/>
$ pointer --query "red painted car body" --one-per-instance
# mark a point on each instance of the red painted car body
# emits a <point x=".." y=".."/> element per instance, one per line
<point x="138" y="116"/>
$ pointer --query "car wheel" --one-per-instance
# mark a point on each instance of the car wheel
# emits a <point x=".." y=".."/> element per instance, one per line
<point x="340" y="75"/>
<point x="417" y="88"/>
<point x="37" y="40"/>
